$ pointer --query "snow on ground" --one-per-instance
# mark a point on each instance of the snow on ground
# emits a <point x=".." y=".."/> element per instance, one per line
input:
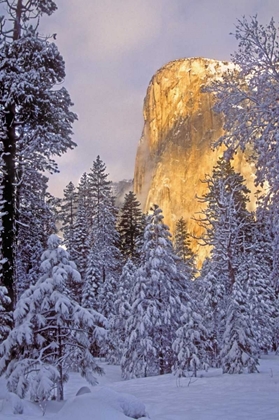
<point x="211" y="396"/>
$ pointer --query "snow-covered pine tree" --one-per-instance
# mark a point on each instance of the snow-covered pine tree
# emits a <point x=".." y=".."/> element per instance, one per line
<point x="92" y="294"/>
<point x="182" y="246"/>
<point x="122" y="310"/>
<point x="93" y="280"/>
<point x="224" y="218"/>
<point x="67" y="215"/>
<point x="35" y="118"/>
<point x="107" y="238"/>
<point x="183" y="250"/>
<point x="155" y="304"/>
<point x="255" y="269"/>
<point x="80" y="250"/>
<point x="99" y="192"/>
<point x="52" y="332"/>
<point x="239" y="351"/>
<point x="131" y="227"/>
<point x="212" y="301"/>
<point x="5" y="317"/>
<point x="36" y="221"/>
<point x="107" y="294"/>
<point x="104" y="256"/>
<point x="81" y="231"/>
<point x="191" y="345"/>
<point x="104" y="261"/>
<point x="83" y="195"/>
<point x="248" y="99"/>
<point x="225" y="221"/>
<point x="252" y="97"/>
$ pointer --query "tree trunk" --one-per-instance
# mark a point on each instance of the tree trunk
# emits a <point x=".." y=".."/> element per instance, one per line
<point x="8" y="219"/>
<point x="17" y="24"/>
<point x="9" y="190"/>
<point x="161" y="363"/>
<point x="195" y="370"/>
<point x="60" y="388"/>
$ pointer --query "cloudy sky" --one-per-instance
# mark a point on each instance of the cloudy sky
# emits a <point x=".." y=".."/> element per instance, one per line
<point x="112" y="48"/>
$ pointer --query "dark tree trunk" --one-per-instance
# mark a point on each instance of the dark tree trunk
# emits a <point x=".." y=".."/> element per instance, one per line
<point x="17" y="24"/>
<point x="9" y="188"/>
<point x="161" y="363"/>
<point x="8" y="219"/>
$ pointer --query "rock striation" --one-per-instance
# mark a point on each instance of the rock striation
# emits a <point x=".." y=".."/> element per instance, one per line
<point x="175" y="150"/>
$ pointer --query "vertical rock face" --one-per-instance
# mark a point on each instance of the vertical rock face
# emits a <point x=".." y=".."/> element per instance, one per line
<point x="174" y="152"/>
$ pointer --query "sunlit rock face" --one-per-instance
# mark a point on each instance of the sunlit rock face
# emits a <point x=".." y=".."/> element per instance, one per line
<point x="174" y="152"/>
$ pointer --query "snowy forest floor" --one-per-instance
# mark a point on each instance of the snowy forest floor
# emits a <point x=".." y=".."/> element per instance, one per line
<point x="210" y="396"/>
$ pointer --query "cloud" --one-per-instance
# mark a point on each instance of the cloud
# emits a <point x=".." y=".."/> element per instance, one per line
<point x="107" y="29"/>
<point x="122" y="26"/>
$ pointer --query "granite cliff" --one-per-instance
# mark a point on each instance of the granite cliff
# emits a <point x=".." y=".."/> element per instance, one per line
<point x="174" y="152"/>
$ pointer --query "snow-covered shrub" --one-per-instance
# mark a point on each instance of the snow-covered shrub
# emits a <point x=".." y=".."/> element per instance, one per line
<point x="106" y="404"/>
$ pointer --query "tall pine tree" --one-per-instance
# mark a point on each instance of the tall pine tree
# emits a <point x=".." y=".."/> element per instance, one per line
<point x="226" y="222"/>
<point x="104" y="257"/>
<point x="131" y="227"/>
<point x="155" y="304"/>
<point x="67" y="214"/>
<point x="35" y="117"/>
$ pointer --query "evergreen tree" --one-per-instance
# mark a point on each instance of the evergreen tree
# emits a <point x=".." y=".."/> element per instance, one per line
<point x="104" y="261"/>
<point x="226" y="222"/>
<point x="268" y="258"/>
<point x="256" y="272"/>
<point x="191" y="344"/>
<point x="81" y="231"/>
<point x="67" y="214"/>
<point x="104" y="257"/>
<point x="83" y="196"/>
<point x="122" y="310"/>
<point x="213" y="299"/>
<point x="36" y="221"/>
<point x="239" y="350"/>
<point x="155" y="304"/>
<point x="249" y="101"/>
<point x="5" y="317"/>
<point x="99" y="192"/>
<point x="107" y="295"/>
<point x="35" y="117"/>
<point x="225" y="219"/>
<point x="182" y="247"/>
<point x="131" y="227"/>
<point x="92" y="296"/>
<point x="80" y="250"/>
<point x="51" y="333"/>
<point x="247" y="97"/>
<point x="93" y="281"/>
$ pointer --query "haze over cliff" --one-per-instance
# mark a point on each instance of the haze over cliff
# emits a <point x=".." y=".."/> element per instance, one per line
<point x="174" y="152"/>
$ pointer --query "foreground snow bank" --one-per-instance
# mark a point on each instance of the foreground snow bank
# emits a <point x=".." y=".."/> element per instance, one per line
<point x="10" y="404"/>
<point x="100" y="403"/>
<point x="210" y="396"/>
<point x="103" y="404"/>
